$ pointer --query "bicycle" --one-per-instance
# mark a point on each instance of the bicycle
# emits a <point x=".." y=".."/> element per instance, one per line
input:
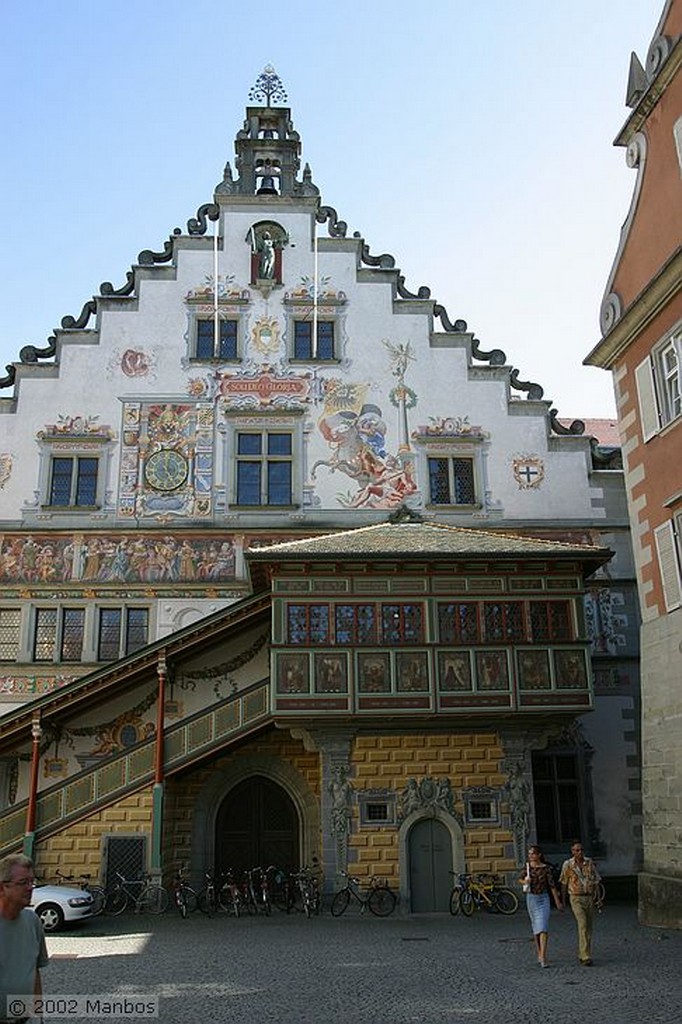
<point x="309" y="891"/>
<point x="98" y="892"/>
<point x="486" y="893"/>
<point x="257" y="889"/>
<point x="207" y="901"/>
<point x="142" y="893"/>
<point x="380" y="899"/>
<point x="229" y="894"/>
<point x="184" y="896"/>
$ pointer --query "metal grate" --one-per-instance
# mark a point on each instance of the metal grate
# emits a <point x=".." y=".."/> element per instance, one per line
<point x="127" y="854"/>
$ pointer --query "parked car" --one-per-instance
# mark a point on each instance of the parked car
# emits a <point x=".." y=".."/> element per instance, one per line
<point x="57" y="904"/>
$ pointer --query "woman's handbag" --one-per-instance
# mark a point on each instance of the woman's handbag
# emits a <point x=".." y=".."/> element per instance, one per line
<point x="525" y="886"/>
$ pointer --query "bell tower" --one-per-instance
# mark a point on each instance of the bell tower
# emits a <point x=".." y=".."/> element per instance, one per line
<point x="267" y="148"/>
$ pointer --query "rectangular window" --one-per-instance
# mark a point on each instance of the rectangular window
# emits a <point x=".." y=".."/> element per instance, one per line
<point x="356" y="624"/>
<point x="303" y="340"/>
<point x="550" y="620"/>
<point x="58" y="634"/>
<point x="121" y="631"/>
<point x="668" y="374"/>
<point x="308" y="624"/>
<point x="556" y="789"/>
<point x="264" y="468"/>
<point x="451" y="481"/>
<point x="458" y="623"/>
<point x="73" y="481"/>
<point x="659" y="387"/>
<point x="206" y="347"/>
<point x="10" y="625"/>
<point x="503" y="620"/>
<point x="401" y="624"/>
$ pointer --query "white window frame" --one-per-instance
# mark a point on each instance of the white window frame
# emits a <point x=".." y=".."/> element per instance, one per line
<point x="669" y="554"/>
<point x="659" y="390"/>
<point x="289" y="423"/>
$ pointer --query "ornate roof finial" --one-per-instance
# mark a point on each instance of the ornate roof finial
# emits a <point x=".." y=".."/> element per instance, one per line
<point x="268" y="87"/>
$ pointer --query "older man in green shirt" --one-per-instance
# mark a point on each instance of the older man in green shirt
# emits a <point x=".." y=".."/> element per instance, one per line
<point x="22" y="940"/>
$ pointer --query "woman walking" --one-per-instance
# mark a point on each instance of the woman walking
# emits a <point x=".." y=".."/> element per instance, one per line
<point x="538" y="882"/>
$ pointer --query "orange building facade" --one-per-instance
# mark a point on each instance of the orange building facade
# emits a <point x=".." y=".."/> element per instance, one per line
<point x="641" y="323"/>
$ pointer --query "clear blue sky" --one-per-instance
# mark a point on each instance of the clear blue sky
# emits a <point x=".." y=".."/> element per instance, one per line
<point x="472" y="139"/>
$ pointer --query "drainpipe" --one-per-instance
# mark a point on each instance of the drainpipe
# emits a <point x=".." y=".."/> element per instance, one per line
<point x="156" y="866"/>
<point x="30" y="833"/>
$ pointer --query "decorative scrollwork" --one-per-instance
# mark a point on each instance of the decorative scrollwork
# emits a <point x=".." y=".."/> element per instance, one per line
<point x="611" y="312"/>
<point x="384" y="262"/>
<point x="147" y="257"/>
<point x="107" y="288"/>
<point x="197" y="225"/>
<point x="576" y="428"/>
<point x="8" y="381"/>
<point x="422" y="293"/>
<point x="89" y="309"/>
<point x="659" y="51"/>
<point x="535" y="392"/>
<point x="31" y="354"/>
<point x="496" y="357"/>
<point x="337" y="228"/>
<point x="459" y="326"/>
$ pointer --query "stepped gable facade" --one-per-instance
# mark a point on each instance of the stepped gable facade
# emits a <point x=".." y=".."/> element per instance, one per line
<point x="189" y="652"/>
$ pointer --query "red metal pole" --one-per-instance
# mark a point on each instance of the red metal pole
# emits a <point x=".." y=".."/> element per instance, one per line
<point x="160" y="715"/>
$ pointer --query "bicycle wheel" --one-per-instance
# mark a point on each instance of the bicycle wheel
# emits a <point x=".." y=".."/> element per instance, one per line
<point x="598" y="896"/>
<point x="116" y="902"/>
<point x="99" y="898"/>
<point x="153" y="900"/>
<point x="206" y="901"/>
<point x="190" y="899"/>
<point x="455" y="897"/>
<point x="381" y="901"/>
<point x="340" y="902"/>
<point x="507" y="901"/>
<point x="466" y="902"/>
<point x="180" y="902"/>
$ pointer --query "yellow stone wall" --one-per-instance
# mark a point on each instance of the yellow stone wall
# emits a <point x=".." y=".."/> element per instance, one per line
<point x="78" y="848"/>
<point x="467" y="760"/>
<point x="182" y="791"/>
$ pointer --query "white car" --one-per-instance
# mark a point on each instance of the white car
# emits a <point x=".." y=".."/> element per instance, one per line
<point x="56" y="904"/>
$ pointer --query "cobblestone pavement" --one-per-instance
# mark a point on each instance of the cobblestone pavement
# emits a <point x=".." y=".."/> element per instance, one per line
<point x="362" y="970"/>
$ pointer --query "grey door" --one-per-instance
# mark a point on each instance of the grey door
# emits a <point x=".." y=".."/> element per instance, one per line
<point x="430" y="855"/>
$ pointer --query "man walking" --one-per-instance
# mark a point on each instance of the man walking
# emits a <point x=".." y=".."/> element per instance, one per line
<point x="22" y="940"/>
<point x="579" y="877"/>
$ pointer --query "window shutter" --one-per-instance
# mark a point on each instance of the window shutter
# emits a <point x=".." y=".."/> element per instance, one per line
<point x="648" y="407"/>
<point x="668" y="565"/>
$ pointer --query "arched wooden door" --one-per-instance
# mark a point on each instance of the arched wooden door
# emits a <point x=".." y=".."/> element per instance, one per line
<point x="430" y="858"/>
<point x="257" y="825"/>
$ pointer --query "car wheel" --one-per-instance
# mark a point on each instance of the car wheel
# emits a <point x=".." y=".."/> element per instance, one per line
<point x="51" y="915"/>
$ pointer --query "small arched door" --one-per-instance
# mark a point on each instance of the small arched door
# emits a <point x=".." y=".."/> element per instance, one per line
<point x="257" y="825"/>
<point x="429" y="848"/>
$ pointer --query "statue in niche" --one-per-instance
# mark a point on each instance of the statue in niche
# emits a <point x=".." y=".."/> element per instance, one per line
<point x="267" y="241"/>
<point x="266" y="263"/>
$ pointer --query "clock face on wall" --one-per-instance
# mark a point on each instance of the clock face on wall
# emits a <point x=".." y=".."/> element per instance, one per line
<point x="166" y="470"/>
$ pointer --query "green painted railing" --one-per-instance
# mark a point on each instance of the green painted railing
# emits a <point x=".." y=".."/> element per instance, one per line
<point x="132" y="769"/>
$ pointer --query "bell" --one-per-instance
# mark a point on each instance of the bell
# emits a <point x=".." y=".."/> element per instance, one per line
<point x="267" y="187"/>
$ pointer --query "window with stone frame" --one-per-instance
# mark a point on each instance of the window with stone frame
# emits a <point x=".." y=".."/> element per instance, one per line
<point x="659" y="385"/>
<point x="223" y="347"/>
<point x="452" y="480"/>
<point x="263" y="461"/>
<point x="557" y="792"/>
<point x="121" y="631"/>
<point x="10" y="633"/>
<point x="323" y="349"/>
<point x="58" y="634"/>
<point x="73" y="481"/>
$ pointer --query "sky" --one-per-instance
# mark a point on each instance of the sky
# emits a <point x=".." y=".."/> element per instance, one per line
<point x="470" y="139"/>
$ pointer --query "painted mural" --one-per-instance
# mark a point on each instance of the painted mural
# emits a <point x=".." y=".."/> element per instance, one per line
<point x="102" y="558"/>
